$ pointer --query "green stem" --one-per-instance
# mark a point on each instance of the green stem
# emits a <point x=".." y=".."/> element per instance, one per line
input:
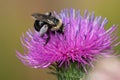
<point x="72" y="72"/>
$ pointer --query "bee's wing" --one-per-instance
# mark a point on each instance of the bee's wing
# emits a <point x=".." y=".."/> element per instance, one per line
<point x="38" y="16"/>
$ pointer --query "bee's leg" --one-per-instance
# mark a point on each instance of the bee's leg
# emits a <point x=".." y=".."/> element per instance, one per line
<point x="43" y="30"/>
<point x="61" y="30"/>
<point x="48" y="38"/>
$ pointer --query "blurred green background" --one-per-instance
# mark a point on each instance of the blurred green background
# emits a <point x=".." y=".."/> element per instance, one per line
<point x="15" y="19"/>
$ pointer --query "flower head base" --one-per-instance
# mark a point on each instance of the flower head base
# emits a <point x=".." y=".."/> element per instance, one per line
<point x="84" y="38"/>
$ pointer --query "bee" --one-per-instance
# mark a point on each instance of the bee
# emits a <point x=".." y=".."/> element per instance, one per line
<point x="46" y="23"/>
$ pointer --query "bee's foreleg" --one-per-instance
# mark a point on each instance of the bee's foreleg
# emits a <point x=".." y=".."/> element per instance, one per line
<point x="61" y="30"/>
<point x="48" y="38"/>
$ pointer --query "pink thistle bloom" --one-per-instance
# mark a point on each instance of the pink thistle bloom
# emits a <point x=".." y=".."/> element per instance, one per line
<point x="84" y="38"/>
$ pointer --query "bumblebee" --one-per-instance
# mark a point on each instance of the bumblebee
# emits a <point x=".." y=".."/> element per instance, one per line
<point x="46" y="23"/>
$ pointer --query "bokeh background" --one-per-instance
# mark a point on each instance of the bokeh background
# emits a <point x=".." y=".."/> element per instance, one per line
<point x="15" y="19"/>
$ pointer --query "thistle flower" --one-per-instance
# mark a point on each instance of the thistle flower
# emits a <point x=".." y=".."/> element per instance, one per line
<point x="84" y="38"/>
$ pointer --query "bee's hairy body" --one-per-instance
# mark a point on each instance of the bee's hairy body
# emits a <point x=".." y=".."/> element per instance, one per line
<point x="46" y="23"/>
